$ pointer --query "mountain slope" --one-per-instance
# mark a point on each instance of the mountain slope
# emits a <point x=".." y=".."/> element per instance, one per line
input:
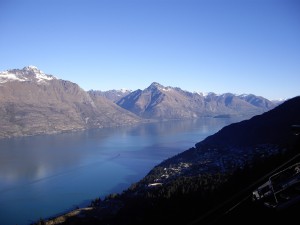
<point x="159" y="102"/>
<point x="33" y="102"/>
<point x="111" y="113"/>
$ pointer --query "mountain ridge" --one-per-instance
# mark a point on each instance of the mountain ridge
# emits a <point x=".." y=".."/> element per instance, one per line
<point x="160" y="102"/>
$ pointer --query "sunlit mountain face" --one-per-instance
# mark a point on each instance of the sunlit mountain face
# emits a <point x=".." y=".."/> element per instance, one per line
<point x="33" y="102"/>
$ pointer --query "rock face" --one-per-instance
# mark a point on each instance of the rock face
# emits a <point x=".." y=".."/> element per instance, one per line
<point x="32" y="102"/>
<point x="159" y="102"/>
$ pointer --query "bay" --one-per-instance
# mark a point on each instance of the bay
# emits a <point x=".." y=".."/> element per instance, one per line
<point x="43" y="176"/>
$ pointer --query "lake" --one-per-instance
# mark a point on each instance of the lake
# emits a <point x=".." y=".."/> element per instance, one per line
<point x="43" y="176"/>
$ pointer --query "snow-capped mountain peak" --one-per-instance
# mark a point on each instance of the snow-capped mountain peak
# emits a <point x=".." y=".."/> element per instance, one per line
<point x="157" y="86"/>
<point x="28" y="73"/>
<point x="7" y="76"/>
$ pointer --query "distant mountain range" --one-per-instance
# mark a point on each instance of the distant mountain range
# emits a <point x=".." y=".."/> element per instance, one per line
<point x="162" y="103"/>
<point x="33" y="102"/>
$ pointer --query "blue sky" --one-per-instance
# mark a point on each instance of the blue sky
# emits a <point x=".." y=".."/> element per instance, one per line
<point x="238" y="46"/>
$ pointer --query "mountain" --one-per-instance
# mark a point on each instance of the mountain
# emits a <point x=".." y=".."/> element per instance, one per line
<point x="33" y="102"/>
<point x="113" y="95"/>
<point x="159" y="102"/>
<point x="257" y="101"/>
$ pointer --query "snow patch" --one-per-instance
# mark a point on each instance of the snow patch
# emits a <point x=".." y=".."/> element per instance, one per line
<point x="124" y="90"/>
<point x="39" y="75"/>
<point x="205" y="94"/>
<point x="6" y="76"/>
<point x="29" y="73"/>
<point x="166" y="89"/>
<point x="42" y="77"/>
<point x="243" y="95"/>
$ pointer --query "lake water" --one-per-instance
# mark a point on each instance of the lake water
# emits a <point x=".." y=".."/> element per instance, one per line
<point x="43" y="176"/>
